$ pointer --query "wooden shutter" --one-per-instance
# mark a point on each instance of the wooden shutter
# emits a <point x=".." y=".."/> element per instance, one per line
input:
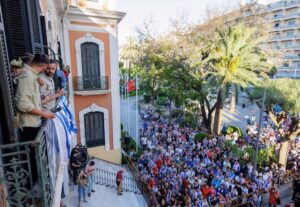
<point x="16" y="27"/>
<point x="44" y="33"/>
<point x="7" y="108"/>
<point x="94" y="129"/>
<point x="34" y="16"/>
<point x="90" y="59"/>
<point x="22" y="27"/>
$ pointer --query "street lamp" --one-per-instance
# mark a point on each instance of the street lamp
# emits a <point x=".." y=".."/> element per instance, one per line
<point x="258" y="134"/>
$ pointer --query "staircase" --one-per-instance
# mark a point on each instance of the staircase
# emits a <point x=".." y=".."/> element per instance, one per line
<point x="105" y="187"/>
<point x="107" y="178"/>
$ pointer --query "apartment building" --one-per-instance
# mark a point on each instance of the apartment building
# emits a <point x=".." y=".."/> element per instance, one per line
<point x="281" y="20"/>
<point x="284" y="16"/>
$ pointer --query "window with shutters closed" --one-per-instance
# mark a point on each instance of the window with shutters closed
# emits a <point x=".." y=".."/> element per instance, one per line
<point x="90" y="65"/>
<point x="90" y="59"/>
<point x="94" y="129"/>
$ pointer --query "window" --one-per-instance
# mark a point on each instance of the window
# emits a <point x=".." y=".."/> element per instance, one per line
<point x="285" y="65"/>
<point x="292" y="22"/>
<point x="94" y="129"/>
<point x="90" y="59"/>
<point x="288" y="44"/>
<point x="90" y="66"/>
<point x="276" y="25"/>
<point x="290" y="34"/>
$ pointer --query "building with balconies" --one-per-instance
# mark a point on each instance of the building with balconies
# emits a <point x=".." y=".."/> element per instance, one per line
<point x="285" y="35"/>
<point x="282" y="21"/>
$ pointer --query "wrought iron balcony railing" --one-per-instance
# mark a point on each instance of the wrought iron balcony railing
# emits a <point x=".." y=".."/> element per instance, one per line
<point x="90" y="83"/>
<point x="17" y="172"/>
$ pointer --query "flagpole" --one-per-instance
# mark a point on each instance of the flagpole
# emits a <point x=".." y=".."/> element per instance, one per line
<point x="128" y="120"/>
<point x="125" y="105"/>
<point x="136" y="112"/>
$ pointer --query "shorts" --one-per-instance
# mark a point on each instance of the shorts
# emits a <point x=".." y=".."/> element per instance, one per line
<point x="118" y="183"/>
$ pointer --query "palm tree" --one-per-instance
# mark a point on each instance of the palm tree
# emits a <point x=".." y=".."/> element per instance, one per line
<point x="236" y="58"/>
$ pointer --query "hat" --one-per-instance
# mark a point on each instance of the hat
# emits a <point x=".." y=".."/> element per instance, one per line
<point x="17" y="63"/>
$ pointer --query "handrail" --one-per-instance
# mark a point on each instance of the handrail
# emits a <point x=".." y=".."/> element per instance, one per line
<point x="18" y="170"/>
<point x="135" y="172"/>
<point x="108" y="179"/>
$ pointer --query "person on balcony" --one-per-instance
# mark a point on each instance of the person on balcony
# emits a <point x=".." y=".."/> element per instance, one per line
<point x="89" y="171"/>
<point x="59" y="77"/>
<point x="47" y="87"/>
<point x="28" y="103"/>
<point x="82" y="183"/>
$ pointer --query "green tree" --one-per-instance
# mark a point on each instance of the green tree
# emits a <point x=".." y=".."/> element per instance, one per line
<point x="152" y="63"/>
<point x="236" y="58"/>
<point x="286" y="94"/>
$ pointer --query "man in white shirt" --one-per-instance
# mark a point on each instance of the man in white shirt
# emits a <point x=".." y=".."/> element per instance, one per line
<point x="47" y="87"/>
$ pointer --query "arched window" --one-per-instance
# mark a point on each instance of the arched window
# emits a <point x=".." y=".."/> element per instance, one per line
<point x="90" y="59"/>
<point x="94" y="129"/>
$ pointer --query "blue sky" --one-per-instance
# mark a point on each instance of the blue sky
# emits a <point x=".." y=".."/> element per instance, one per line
<point x="162" y="10"/>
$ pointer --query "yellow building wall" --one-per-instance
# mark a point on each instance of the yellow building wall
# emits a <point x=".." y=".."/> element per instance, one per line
<point x="113" y="156"/>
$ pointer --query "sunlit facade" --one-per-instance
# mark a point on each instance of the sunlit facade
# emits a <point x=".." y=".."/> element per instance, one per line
<point x="91" y="37"/>
<point x="285" y="35"/>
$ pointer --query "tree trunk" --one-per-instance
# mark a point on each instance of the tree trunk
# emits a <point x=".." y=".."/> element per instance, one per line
<point x="218" y="113"/>
<point x="284" y="151"/>
<point x="153" y="96"/>
<point x="206" y="118"/>
<point x="233" y="99"/>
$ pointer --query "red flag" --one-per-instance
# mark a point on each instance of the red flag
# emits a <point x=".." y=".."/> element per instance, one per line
<point x="131" y="86"/>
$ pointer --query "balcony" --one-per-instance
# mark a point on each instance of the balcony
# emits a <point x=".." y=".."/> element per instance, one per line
<point x="91" y="85"/>
<point x="284" y="17"/>
<point x="291" y="57"/>
<point x="286" y="27"/>
<point x="17" y="172"/>
<point x="289" y="69"/>
<point x="282" y="38"/>
<point x="280" y="6"/>
<point x="288" y="72"/>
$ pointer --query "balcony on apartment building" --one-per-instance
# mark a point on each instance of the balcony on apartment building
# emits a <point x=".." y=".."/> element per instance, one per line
<point x="284" y="16"/>
<point x="291" y="57"/>
<point x="18" y="170"/>
<point x="284" y="5"/>
<point x="91" y="85"/>
<point x="287" y="47"/>
<point x="286" y="27"/>
<point x="282" y="38"/>
<point x="290" y="72"/>
<point x="289" y="69"/>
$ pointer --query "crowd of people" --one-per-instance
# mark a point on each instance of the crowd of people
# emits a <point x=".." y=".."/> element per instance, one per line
<point x="180" y="171"/>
